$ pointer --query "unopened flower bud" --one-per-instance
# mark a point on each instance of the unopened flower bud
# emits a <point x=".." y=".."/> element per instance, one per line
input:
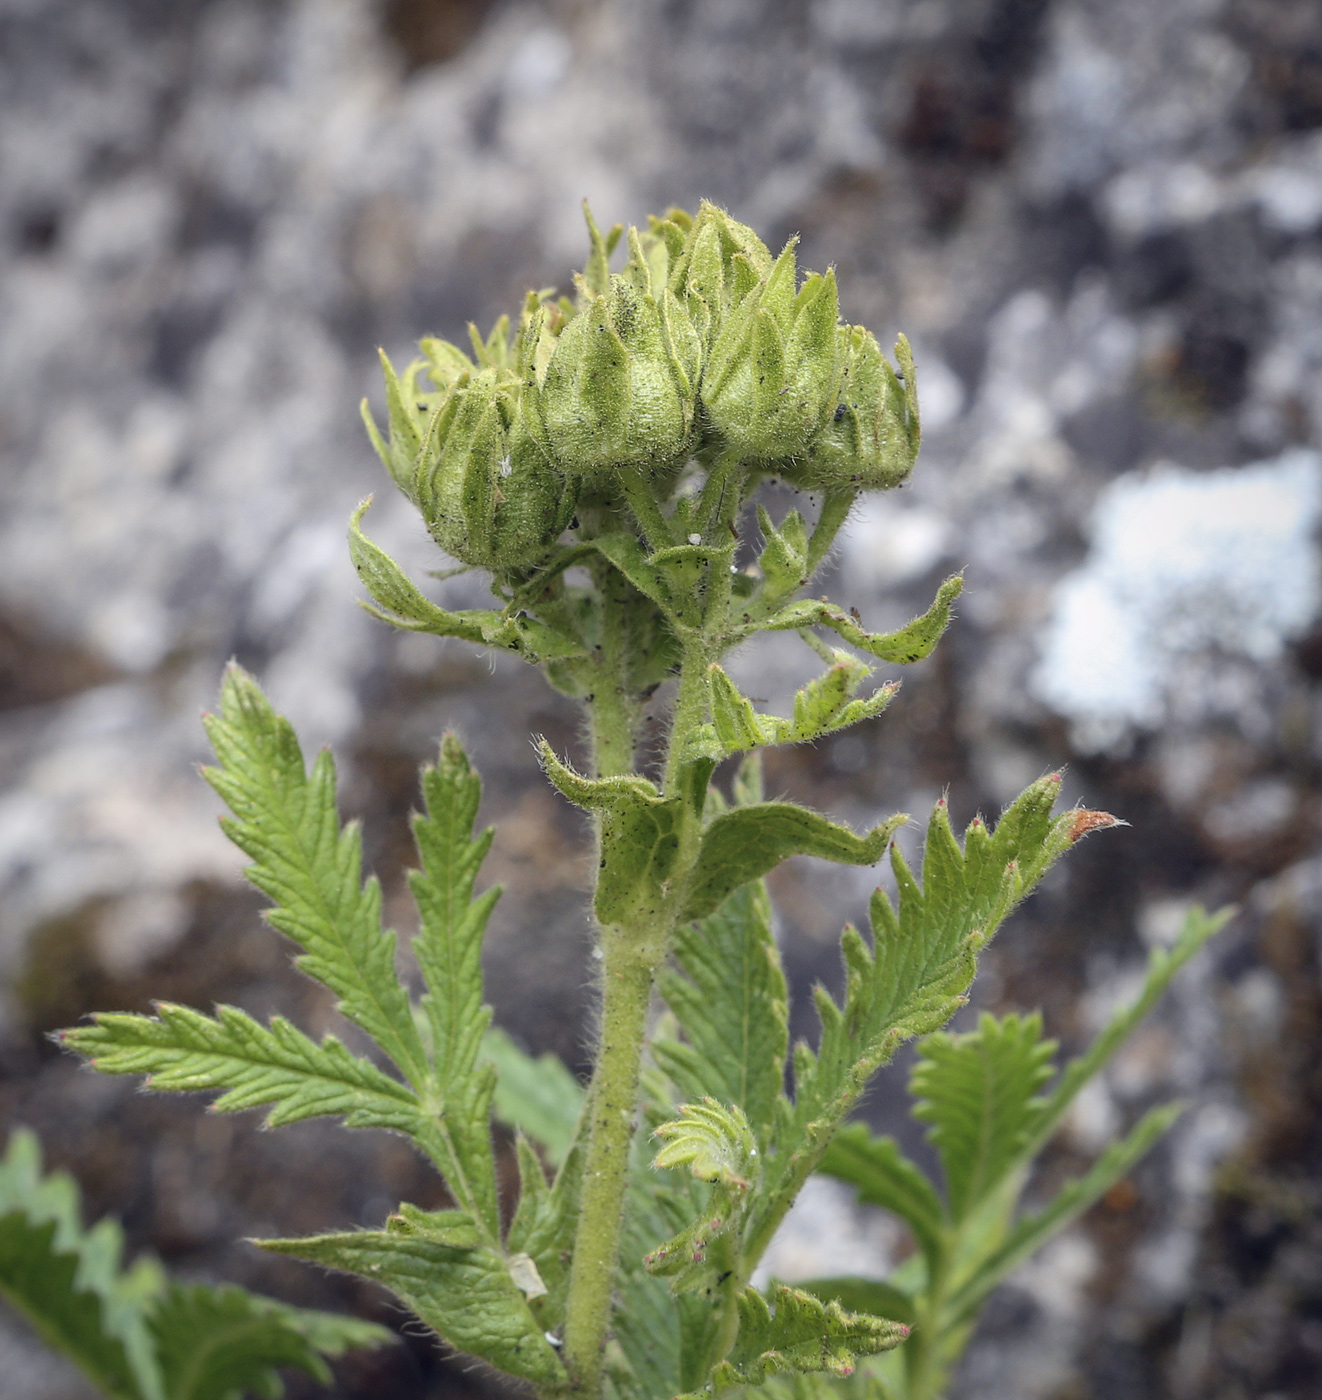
<point x="871" y="438"/>
<point x="773" y="369"/>
<point x="487" y="491"/>
<point x="618" y="389"/>
<point x="717" y="263"/>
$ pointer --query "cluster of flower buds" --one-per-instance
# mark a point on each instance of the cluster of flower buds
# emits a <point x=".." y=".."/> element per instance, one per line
<point x="704" y="344"/>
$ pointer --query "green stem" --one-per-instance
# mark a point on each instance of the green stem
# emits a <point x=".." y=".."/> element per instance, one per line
<point x="923" y="1371"/>
<point x="646" y="511"/>
<point x="630" y="964"/>
<point x="613" y="710"/>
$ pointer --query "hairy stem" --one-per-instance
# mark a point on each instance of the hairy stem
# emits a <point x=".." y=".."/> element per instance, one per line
<point x="630" y="965"/>
<point x="612" y="709"/>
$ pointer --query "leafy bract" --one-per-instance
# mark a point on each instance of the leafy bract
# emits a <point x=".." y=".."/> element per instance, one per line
<point x="399" y="602"/>
<point x="466" y="1294"/>
<point x="745" y="843"/>
<point x="824" y="706"/>
<point x="913" y="642"/>
<point x="796" y="1332"/>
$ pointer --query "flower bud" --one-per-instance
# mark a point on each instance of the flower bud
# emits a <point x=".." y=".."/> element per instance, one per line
<point x="618" y="388"/>
<point x="714" y="263"/>
<point x="773" y="368"/>
<point x="487" y="491"/>
<point x="408" y="408"/>
<point x="871" y="438"/>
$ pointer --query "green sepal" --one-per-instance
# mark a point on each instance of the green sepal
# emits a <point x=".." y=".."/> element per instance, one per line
<point x="398" y="602"/>
<point x="467" y="1296"/>
<point x="747" y="842"/>
<point x="802" y="1334"/>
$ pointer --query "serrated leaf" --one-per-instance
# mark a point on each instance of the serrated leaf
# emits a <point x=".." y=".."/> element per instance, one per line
<point x="40" y="1280"/>
<point x="713" y="1140"/>
<point x="864" y="1295"/>
<point x="746" y="843"/>
<point x="465" y="1295"/>
<point x="884" y="1177"/>
<point x="977" y="1094"/>
<point x="69" y="1282"/>
<point x="1163" y="964"/>
<point x="183" y="1050"/>
<point x="801" y="1334"/>
<point x="285" y="819"/>
<point x="224" y="1343"/>
<point x="730" y="998"/>
<point x="449" y="952"/>
<point x="399" y="602"/>
<point x="912" y="642"/>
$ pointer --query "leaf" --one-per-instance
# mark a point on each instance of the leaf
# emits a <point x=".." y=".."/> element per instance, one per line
<point x="744" y="844"/>
<point x="40" y="1280"/>
<point x="977" y="1094"/>
<point x="224" y="1343"/>
<point x="538" y="1096"/>
<point x="729" y="995"/>
<point x="639" y="839"/>
<point x="1033" y="1231"/>
<point x="884" y="1177"/>
<point x="913" y="978"/>
<point x="913" y="642"/>
<point x="824" y="706"/>
<point x="801" y="1334"/>
<point x="449" y="952"/>
<point x="183" y="1050"/>
<point x="399" y="602"/>
<point x="713" y="1140"/>
<point x="864" y="1295"/>
<point x="285" y="819"/>
<point x="68" y="1282"/>
<point x="466" y="1295"/>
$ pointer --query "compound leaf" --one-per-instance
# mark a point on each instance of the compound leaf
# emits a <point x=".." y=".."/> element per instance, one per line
<point x="467" y="1295"/>
<point x="977" y="1093"/>
<point x="797" y="1332"/>
<point x="184" y="1050"/>
<point x="884" y="1177"/>
<point x="729" y="996"/>
<point x="538" y="1096"/>
<point x="225" y="1343"/>
<point x="285" y="819"/>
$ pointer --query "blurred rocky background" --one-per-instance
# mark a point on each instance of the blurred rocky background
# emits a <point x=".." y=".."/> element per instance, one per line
<point x="1100" y="221"/>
